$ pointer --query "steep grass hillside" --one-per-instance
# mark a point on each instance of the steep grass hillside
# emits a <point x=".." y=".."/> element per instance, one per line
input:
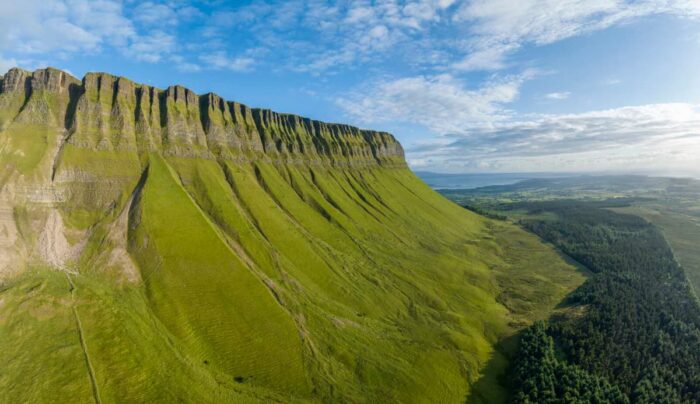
<point x="156" y="245"/>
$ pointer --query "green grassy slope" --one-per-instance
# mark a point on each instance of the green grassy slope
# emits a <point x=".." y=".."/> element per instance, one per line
<point x="134" y="357"/>
<point x="190" y="275"/>
<point x="203" y="293"/>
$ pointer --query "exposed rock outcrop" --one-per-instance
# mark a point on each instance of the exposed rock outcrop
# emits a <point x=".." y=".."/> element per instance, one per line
<point x="71" y="151"/>
<point x="106" y="112"/>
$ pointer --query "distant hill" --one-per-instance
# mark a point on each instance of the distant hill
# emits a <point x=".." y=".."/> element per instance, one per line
<point x="163" y="246"/>
<point x="477" y="180"/>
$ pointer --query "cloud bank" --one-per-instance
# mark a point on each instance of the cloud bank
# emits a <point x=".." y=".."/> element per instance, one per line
<point x="500" y="27"/>
<point x="441" y="103"/>
<point x="639" y="138"/>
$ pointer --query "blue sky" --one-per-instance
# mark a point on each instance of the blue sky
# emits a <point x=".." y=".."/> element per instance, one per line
<point x="466" y="86"/>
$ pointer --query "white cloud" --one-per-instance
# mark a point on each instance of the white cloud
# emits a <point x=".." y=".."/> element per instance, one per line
<point x="360" y="15"/>
<point x="321" y="36"/>
<point x="189" y="13"/>
<point x="32" y="29"/>
<point x="486" y="58"/>
<point x="151" y="47"/>
<point x="648" y="137"/>
<point x="369" y="30"/>
<point x="318" y="36"/>
<point x="154" y="14"/>
<point x="503" y="26"/>
<point x="188" y="67"/>
<point x="220" y="60"/>
<point x="441" y="103"/>
<point x="558" y="95"/>
<point x="241" y="64"/>
<point x="183" y="65"/>
<point x="36" y="27"/>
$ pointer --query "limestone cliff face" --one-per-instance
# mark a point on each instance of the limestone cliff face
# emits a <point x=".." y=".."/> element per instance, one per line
<point x="105" y="112"/>
<point x="71" y="152"/>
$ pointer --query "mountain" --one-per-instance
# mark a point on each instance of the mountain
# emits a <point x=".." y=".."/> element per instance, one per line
<point x="442" y="181"/>
<point x="160" y="246"/>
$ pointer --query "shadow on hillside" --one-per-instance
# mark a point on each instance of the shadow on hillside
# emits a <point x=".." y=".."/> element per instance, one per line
<point x="492" y="386"/>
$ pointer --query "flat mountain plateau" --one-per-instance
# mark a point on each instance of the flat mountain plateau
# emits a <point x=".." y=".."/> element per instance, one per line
<point x="162" y="246"/>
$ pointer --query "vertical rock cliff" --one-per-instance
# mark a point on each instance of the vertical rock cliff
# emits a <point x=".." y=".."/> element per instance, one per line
<point x="80" y="144"/>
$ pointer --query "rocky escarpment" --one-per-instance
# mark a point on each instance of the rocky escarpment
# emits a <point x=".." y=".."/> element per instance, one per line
<point x="105" y="112"/>
<point x="78" y="147"/>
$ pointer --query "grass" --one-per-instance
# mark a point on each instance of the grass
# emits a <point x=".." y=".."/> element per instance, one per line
<point x="291" y="283"/>
<point x="255" y="281"/>
<point x="204" y="293"/>
<point x="532" y="283"/>
<point x="26" y="147"/>
<point x="29" y="136"/>
<point x="134" y="356"/>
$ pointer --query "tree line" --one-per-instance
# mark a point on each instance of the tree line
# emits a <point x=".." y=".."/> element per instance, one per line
<point x="638" y="339"/>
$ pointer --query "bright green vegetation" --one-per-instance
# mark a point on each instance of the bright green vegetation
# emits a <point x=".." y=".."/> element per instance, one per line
<point x="532" y="285"/>
<point x="135" y="358"/>
<point x="203" y="280"/>
<point x="632" y="331"/>
<point x="175" y="247"/>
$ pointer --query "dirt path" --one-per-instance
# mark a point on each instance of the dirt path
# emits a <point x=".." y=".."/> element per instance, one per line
<point x="83" y="344"/>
